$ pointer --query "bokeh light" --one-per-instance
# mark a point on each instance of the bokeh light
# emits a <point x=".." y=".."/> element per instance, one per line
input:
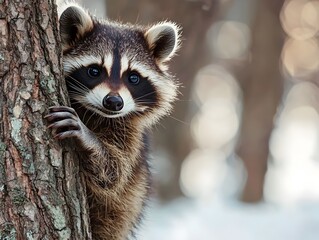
<point x="215" y="125"/>
<point x="297" y="137"/>
<point x="294" y="174"/>
<point x="217" y="94"/>
<point x="300" y="18"/>
<point x="302" y="94"/>
<point x="215" y="82"/>
<point x="300" y="57"/>
<point x="229" y="40"/>
<point x="202" y="172"/>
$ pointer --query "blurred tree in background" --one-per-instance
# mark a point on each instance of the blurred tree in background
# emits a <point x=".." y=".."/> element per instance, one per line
<point x="262" y="87"/>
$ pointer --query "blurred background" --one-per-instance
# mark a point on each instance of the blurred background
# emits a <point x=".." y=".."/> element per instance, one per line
<point x="239" y="156"/>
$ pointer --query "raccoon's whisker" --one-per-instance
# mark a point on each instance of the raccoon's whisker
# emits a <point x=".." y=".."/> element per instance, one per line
<point x="94" y="109"/>
<point x="96" y="121"/>
<point x="78" y="86"/>
<point x="75" y="92"/>
<point x="136" y="113"/>
<point x="86" y="106"/>
<point x="114" y="126"/>
<point x="147" y="94"/>
<point x="159" y="124"/>
<point x="184" y="100"/>
<point x="81" y="106"/>
<point x="78" y="91"/>
<point x="124" y="126"/>
<point x="135" y="100"/>
<point x="77" y="82"/>
<point x="75" y="95"/>
<point x="104" y="120"/>
<point x="178" y="120"/>
<point x="84" y="116"/>
<point x="79" y="98"/>
<point x="93" y="113"/>
<point x="145" y="102"/>
<point x="73" y="78"/>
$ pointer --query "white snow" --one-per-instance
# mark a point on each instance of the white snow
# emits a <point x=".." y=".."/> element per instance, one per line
<point x="186" y="219"/>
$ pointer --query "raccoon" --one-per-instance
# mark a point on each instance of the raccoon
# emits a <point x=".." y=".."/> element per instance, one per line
<point x="119" y="87"/>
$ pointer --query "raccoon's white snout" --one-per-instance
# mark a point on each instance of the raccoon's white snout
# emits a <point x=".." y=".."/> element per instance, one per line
<point x="113" y="102"/>
<point x="108" y="103"/>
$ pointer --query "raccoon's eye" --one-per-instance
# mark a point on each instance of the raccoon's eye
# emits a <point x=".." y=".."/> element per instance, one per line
<point x="94" y="71"/>
<point x="134" y="78"/>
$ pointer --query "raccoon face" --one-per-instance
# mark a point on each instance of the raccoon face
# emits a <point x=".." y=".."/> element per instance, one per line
<point x="118" y="70"/>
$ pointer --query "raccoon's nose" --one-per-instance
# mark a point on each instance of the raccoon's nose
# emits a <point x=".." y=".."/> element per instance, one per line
<point x="113" y="102"/>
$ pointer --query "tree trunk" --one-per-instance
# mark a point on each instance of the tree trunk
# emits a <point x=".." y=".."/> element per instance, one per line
<point x="41" y="193"/>
<point x="262" y="91"/>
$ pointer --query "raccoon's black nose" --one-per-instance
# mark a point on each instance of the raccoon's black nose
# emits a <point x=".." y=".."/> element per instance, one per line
<point x="113" y="102"/>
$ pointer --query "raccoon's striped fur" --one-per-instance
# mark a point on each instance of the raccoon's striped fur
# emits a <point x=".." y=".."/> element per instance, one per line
<point x="119" y="87"/>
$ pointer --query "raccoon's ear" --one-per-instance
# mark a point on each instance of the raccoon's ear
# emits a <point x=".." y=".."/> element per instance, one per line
<point x="163" y="40"/>
<point x="74" y="23"/>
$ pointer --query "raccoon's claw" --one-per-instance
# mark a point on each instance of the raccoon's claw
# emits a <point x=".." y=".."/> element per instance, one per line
<point x="64" y="122"/>
<point x="63" y="109"/>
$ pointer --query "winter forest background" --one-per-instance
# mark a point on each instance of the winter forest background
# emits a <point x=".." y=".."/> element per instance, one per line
<point x="239" y="157"/>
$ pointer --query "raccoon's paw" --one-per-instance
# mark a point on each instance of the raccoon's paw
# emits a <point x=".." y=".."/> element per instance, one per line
<point x="65" y="122"/>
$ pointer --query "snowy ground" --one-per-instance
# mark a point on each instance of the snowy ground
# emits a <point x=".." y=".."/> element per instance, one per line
<point x="223" y="220"/>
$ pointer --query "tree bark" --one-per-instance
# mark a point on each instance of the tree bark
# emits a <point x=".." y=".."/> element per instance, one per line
<point x="41" y="193"/>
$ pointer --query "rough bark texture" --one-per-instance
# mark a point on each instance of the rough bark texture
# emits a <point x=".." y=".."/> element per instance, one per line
<point x="262" y="91"/>
<point x="41" y="194"/>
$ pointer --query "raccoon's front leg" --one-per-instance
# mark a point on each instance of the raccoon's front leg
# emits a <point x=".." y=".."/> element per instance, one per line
<point x="66" y="124"/>
<point x="108" y="208"/>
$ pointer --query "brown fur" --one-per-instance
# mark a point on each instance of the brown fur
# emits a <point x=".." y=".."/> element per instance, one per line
<point x="114" y="151"/>
<point x="117" y="180"/>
